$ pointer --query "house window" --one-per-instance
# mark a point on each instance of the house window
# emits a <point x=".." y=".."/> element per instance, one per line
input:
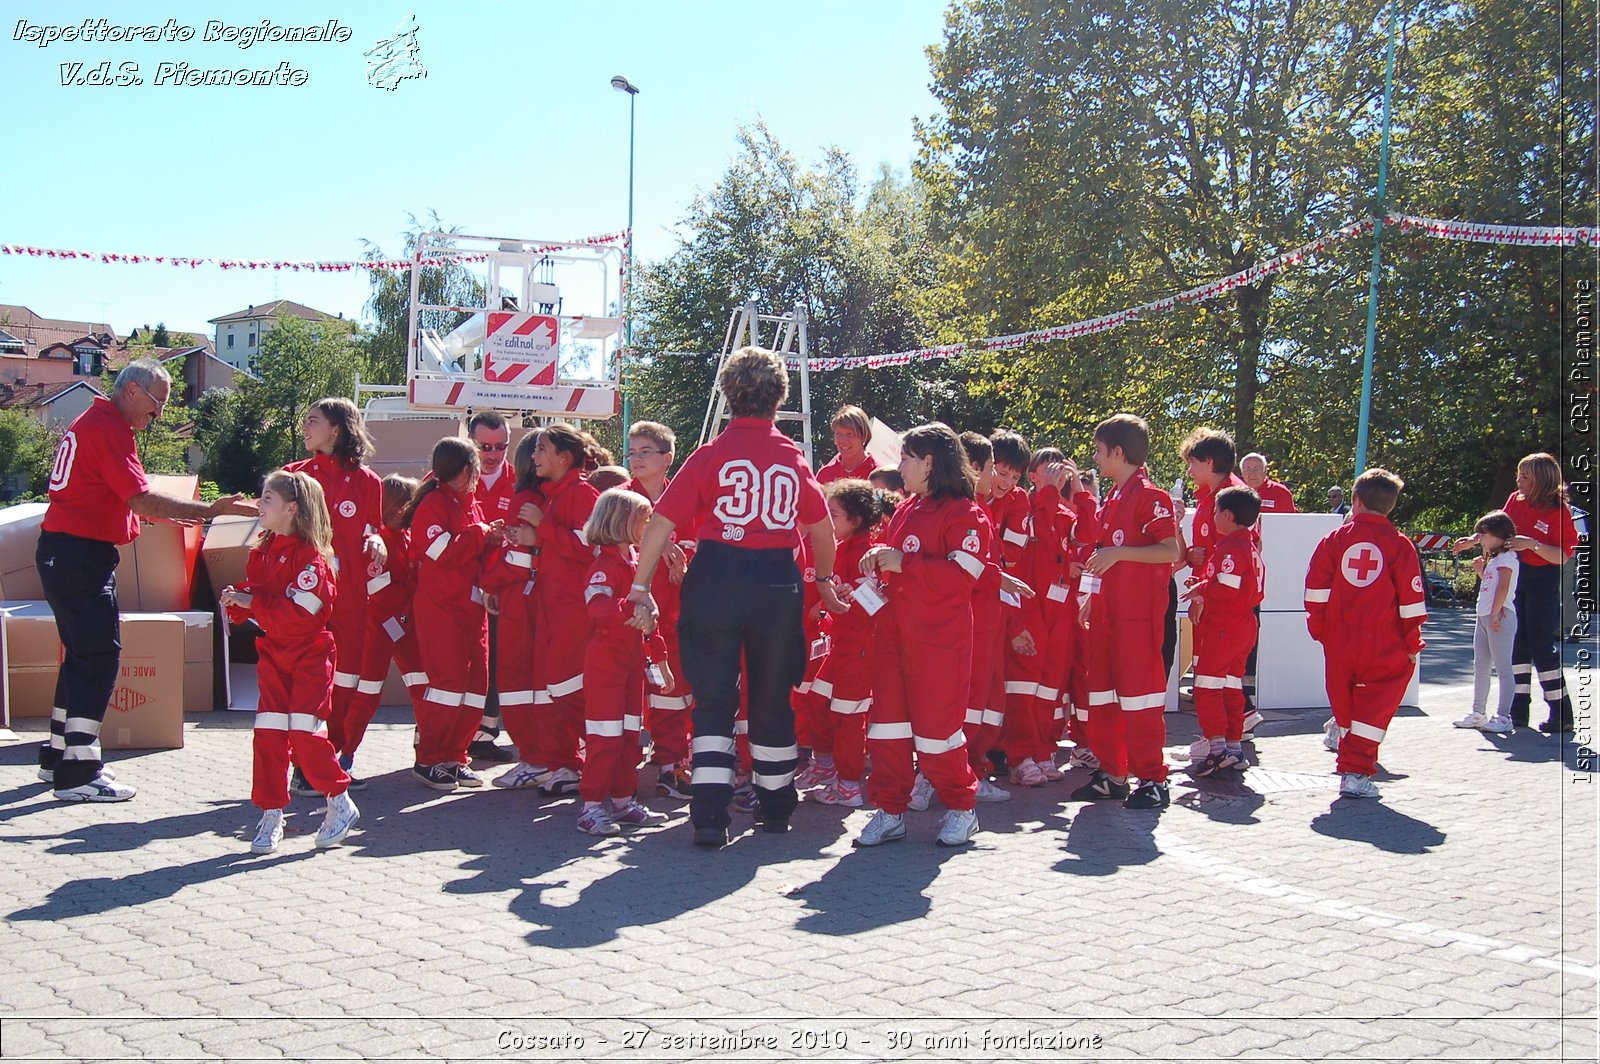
<point x="230" y="339"/>
<point x="252" y="339"/>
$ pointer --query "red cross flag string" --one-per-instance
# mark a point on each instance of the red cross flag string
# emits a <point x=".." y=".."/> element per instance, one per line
<point x="194" y="262"/>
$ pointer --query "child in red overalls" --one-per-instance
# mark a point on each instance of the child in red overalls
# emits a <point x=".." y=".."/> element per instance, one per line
<point x="289" y="594"/>
<point x="614" y="669"/>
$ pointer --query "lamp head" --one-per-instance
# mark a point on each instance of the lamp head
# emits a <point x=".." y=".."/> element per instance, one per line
<point x="622" y="84"/>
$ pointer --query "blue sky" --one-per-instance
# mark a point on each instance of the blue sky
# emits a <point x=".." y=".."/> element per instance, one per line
<point x="515" y="131"/>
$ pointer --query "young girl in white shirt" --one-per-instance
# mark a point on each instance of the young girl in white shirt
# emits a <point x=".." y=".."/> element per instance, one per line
<point x="1497" y="620"/>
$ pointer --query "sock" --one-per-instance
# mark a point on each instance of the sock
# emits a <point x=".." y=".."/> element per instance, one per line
<point x="1236" y="749"/>
<point x="591" y="805"/>
<point x="824" y="760"/>
<point x="1218" y="745"/>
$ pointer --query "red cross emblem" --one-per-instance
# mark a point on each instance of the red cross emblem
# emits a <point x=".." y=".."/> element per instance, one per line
<point x="1361" y="564"/>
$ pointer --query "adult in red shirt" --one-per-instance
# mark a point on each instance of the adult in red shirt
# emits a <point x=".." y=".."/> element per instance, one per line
<point x="497" y="482"/>
<point x="1546" y="537"/>
<point x="852" y="431"/>
<point x="336" y="435"/>
<point x="98" y="492"/>
<point x="751" y="492"/>
<point x="1276" y="498"/>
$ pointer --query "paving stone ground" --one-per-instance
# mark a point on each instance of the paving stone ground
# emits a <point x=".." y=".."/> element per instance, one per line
<point x="1454" y="919"/>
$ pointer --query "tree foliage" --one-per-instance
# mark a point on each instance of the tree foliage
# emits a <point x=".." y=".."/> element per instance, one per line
<point x="389" y="302"/>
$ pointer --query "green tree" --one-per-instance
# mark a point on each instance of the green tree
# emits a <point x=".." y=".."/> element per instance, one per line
<point x="27" y="449"/>
<point x="299" y="362"/>
<point x="389" y="302"/>
<point x="234" y="432"/>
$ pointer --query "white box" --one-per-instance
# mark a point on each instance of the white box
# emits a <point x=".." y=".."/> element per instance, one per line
<point x="1290" y="671"/>
<point x="1287" y="542"/>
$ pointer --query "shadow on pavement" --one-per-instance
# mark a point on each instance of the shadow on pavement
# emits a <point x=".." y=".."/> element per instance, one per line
<point x="1364" y="820"/>
<point x="1104" y="837"/>
<point x="875" y="887"/>
<point x="1532" y="745"/>
<point x="100" y="894"/>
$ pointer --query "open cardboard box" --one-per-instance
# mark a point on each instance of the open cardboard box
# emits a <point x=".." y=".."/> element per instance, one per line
<point x="19" y="539"/>
<point x="156" y="574"/>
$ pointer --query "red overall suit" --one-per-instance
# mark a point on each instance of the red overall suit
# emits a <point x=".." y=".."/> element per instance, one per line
<point x="391" y="637"/>
<point x="355" y="508"/>
<point x="1018" y="734"/>
<point x="560" y="617"/>
<point x="613" y="678"/>
<point x="922" y="670"/>
<point x="291" y="587"/>
<point x="512" y="577"/>
<point x="449" y="546"/>
<point x="1364" y="604"/>
<point x="1231" y="585"/>
<point x="1054" y="552"/>
<point x="986" y="692"/>
<point x="1126" y="681"/>
<point x="667" y="715"/>
<point x="809" y="706"/>
<point x="844" y="683"/>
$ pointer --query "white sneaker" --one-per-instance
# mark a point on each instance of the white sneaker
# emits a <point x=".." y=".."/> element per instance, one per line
<point x="100" y="789"/>
<point x="1048" y="769"/>
<point x="988" y="792"/>
<point x="1498" y="725"/>
<point x="521" y="775"/>
<point x="1083" y="757"/>
<point x="269" y="832"/>
<point x="48" y="775"/>
<point x="1252" y="720"/>
<point x="1027" y="774"/>
<point x="839" y="792"/>
<point x="561" y="781"/>
<point x="882" y="828"/>
<point x="957" y="828"/>
<point x="1472" y="720"/>
<point x="341" y="816"/>
<point x="1199" y="750"/>
<point x="921" y="794"/>
<point x="1355" y="785"/>
<point x="595" y="819"/>
<point x="1331" y="734"/>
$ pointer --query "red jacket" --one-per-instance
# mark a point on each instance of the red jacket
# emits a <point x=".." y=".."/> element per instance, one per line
<point x="852" y="629"/>
<point x="449" y="545"/>
<point x="292" y="588"/>
<point x="1364" y="596"/>
<point x="1233" y="579"/>
<point x="605" y="596"/>
<point x="1009" y="515"/>
<point x="514" y="566"/>
<point x="355" y="507"/>
<point x="390" y="585"/>
<point x="1138" y="514"/>
<point x="943" y="542"/>
<point x="1054" y="548"/>
<point x="564" y="556"/>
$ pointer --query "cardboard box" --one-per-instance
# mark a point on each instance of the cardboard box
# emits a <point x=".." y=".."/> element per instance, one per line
<point x="406" y="445"/>
<point x="156" y="574"/>
<point x="19" y="538"/>
<point x="227" y="550"/>
<point x="146" y="708"/>
<point x="199" y="673"/>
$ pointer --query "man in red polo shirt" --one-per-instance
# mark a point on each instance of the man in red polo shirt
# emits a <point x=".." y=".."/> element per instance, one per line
<point x="98" y="492"/>
<point x="852" y="431"/>
<point x="496" y="484"/>
<point x="1276" y="498"/>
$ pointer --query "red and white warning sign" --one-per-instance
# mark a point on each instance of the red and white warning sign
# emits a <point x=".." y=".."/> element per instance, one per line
<point x="521" y="349"/>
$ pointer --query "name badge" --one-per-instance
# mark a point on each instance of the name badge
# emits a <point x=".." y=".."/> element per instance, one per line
<point x="1089" y="583"/>
<point x="820" y="647"/>
<point x="652" y="672"/>
<point x="1057" y="593"/>
<point x="1014" y="601"/>
<point x="868" y="594"/>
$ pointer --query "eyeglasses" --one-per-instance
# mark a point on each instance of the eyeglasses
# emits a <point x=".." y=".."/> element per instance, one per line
<point x="631" y="455"/>
<point x="493" y="446"/>
<point x="159" y="400"/>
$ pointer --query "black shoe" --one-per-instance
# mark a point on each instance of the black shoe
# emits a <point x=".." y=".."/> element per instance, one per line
<point x="1551" y="727"/>
<point x="997" y="758"/>
<point x="1519" y="722"/>
<point x="486" y="750"/>
<point x="671" y="783"/>
<point x="357" y="784"/>
<point x="1100" y="788"/>
<point x="775" y="827"/>
<point x="1149" y="796"/>
<point x="439" y="777"/>
<point x="298" y="785"/>
<point x="711" y="838"/>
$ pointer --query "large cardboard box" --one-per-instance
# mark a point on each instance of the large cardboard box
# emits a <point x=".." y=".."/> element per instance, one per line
<point x="227" y="550"/>
<point x="146" y="707"/>
<point x="156" y="574"/>
<point x="19" y="537"/>
<point x="199" y="675"/>
<point x="406" y="445"/>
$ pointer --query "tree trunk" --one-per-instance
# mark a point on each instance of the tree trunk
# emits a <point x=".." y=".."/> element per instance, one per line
<point x="1251" y="301"/>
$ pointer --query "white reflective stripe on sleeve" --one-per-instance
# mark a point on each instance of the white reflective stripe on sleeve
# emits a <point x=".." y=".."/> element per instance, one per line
<point x="1102" y="698"/>
<point x="516" y="698"/>
<point x="272" y="721"/>
<point x="969" y="563"/>
<point x="773" y="753"/>
<point x="711" y="775"/>
<point x="542" y="697"/>
<point x="940" y="746"/>
<point x="563" y="688"/>
<point x="91" y="752"/>
<point x="994" y="717"/>
<point x="1367" y="731"/>
<point x="849" y="708"/>
<point x="307" y="722"/>
<point x="1232" y="580"/>
<point x="1318" y="594"/>
<point x="1021" y="687"/>
<point x="475" y="701"/>
<point x="804" y="688"/>
<point x="603" y="727"/>
<point x="1081" y="714"/>
<point x="892" y="730"/>
<point x="394" y="629"/>
<point x="379" y="582"/>
<point x="370" y="687"/>
<point x="1138" y="702"/>
<point x="1210" y="683"/>
<point x="712" y="744"/>
<point x="437" y="547"/>
<point x="444" y="698"/>
<point x="632" y="723"/>
<point x="1014" y="537"/>
<point x="1047" y="693"/>
<point x="1415" y="609"/>
<point x="306" y="601"/>
<point x="412" y="679"/>
<point x="669" y="704"/>
<point x="520" y="558"/>
<point x="822" y="688"/>
<point x="346" y="679"/>
<point x="591" y="592"/>
<point x="1060" y="713"/>
<point x="771" y="783"/>
<point x="975" y="717"/>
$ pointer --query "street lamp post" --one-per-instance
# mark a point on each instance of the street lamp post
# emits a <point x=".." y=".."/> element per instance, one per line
<point x="622" y="84"/>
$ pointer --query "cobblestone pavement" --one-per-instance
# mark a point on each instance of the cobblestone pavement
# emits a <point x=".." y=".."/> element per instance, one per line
<point x="1455" y="918"/>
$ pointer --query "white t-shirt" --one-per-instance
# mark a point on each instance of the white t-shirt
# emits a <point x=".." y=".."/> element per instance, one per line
<point x="1502" y="567"/>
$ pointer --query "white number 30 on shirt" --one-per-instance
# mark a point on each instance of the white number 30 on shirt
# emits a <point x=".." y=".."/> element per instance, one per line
<point x="61" y="471"/>
<point x="772" y="495"/>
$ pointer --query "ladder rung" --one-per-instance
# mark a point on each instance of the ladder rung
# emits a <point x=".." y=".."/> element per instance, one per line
<point x="790" y="415"/>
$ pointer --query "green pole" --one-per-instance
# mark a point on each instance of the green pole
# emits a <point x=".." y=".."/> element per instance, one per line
<point x="1377" y="249"/>
<point x="627" y="310"/>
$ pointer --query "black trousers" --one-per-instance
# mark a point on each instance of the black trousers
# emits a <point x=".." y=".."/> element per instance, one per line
<point x="1537" y="646"/>
<point x="742" y="606"/>
<point x="490" y="724"/>
<point x="80" y="583"/>
<point x="1169" y="629"/>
